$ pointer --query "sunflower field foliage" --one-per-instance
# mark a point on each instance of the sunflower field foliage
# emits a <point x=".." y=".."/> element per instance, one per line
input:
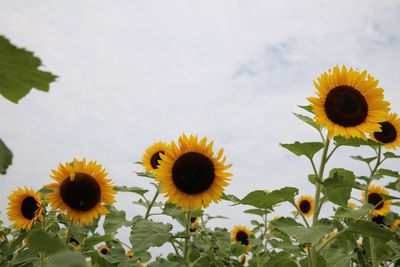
<point x="73" y="221"/>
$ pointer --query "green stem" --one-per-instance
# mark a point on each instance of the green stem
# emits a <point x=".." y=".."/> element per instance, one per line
<point x="330" y="240"/>
<point x="265" y="231"/>
<point x="371" y="239"/>
<point x="187" y="236"/>
<point x="198" y="259"/>
<point x="176" y="250"/>
<point x="151" y="204"/>
<point x="68" y="232"/>
<point x="320" y="176"/>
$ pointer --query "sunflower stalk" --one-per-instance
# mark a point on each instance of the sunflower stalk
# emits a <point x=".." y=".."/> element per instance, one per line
<point x="151" y="204"/>
<point x="318" y="195"/>
<point x="68" y="232"/>
<point x="187" y="236"/>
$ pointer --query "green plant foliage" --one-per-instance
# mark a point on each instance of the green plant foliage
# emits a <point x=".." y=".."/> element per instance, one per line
<point x="354" y="214"/>
<point x="132" y="189"/>
<point x="282" y="259"/>
<point x="307" y="149"/>
<point x="67" y="259"/>
<point x="338" y="186"/>
<point x="114" y="220"/>
<point x="266" y="200"/>
<point x="5" y="157"/>
<point x="370" y="229"/>
<point x="40" y="241"/>
<point x="19" y="72"/>
<point x="308" y="120"/>
<point x="146" y="234"/>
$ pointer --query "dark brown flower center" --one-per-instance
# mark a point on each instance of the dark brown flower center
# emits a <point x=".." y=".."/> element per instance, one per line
<point x="346" y="106"/>
<point x="379" y="219"/>
<point x="193" y="173"/>
<point x="82" y="194"/>
<point x="73" y="241"/>
<point x="104" y="251"/>
<point x="29" y="206"/>
<point x="193" y="219"/>
<point x="305" y="206"/>
<point x="242" y="237"/>
<point x="155" y="158"/>
<point x="374" y="199"/>
<point x="388" y="133"/>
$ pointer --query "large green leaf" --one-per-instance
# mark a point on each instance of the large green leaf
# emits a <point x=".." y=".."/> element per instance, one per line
<point x="387" y="172"/>
<point x="307" y="149"/>
<point x="67" y="259"/>
<point x="355" y="142"/>
<point x="19" y="72"/>
<point x="302" y="234"/>
<point x="337" y="258"/>
<point x="264" y="200"/>
<point x="368" y="228"/>
<point x="39" y="241"/>
<point x="337" y="187"/>
<point x="146" y="234"/>
<point x="355" y="214"/>
<point x="5" y="157"/>
<point x="283" y="258"/>
<point x="91" y="241"/>
<point x="114" y="220"/>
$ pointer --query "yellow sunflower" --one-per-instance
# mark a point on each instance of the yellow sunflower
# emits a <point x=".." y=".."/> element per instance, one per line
<point x="395" y="225"/>
<point x="195" y="220"/>
<point x="390" y="134"/>
<point x="75" y="243"/>
<point x="190" y="175"/>
<point x="352" y="205"/>
<point x="349" y="103"/>
<point x="25" y="207"/>
<point x="152" y="155"/>
<point x="305" y="204"/>
<point x="382" y="207"/>
<point x="241" y="234"/>
<point x="129" y="254"/>
<point x="104" y="250"/>
<point x="80" y="190"/>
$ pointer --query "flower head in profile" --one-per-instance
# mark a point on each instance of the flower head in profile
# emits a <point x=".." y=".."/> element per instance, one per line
<point x="382" y="206"/>
<point x="152" y="155"/>
<point x="389" y="135"/>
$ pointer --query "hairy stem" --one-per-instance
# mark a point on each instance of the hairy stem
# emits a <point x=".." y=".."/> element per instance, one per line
<point x="151" y="204"/>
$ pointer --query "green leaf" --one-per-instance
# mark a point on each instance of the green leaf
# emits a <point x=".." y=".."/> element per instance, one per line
<point x="387" y="172"/>
<point x="39" y="241"/>
<point x="91" y="241"/>
<point x="258" y="212"/>
<point x="391" y="155"/>
<point x="264" y="200"/>
<point x="338" y="186"/>
<point x="355" y="142"/>
<point x="308" y="120"/>
<point x="355" y="214"/>
<point x="5" y="156"/>
<point x="67" y="259"/>
<point x="222" y="239"/>
<point x="133" y="189"/>
<point x="26" y="258"/>
<point x="283" y="258"/>
<point x="19" y="72"/>
<point x="366" y="160"/>
<point x="238" y="249"/>
<point x="307" y="149"/>
<point x="369" y="229"/>
<point x="230" y="198"/>
<point x="114" y="220"/>
<point x="307" y="108"/>
<point x="302" y="234"/>
<point x="394" y="185"/>
<point x="146" y="234"/>
<point x="337" y="258"/>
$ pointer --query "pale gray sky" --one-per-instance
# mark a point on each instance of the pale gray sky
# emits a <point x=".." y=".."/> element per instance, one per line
<point x="135" y="72"/>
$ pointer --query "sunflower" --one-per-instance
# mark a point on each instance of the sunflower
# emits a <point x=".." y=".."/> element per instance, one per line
<point x="104" y="250"/>
<point x="389" y="136"/>
<point x="75" y="243"/>
<point x="379" y="219"/>
<point x="194" y="220"/>
<point x="25" y="207"/>
<point x="129" y="254"/>
<point x="305" y="204"/>
<point x="382" y="207"/>
<point x="349" y="103"/>
<point x="190" y="175"/>
<point x="80" y="190"/>
<point x="352" y="205"/>
<point x="395" y="225"/>
<point x="152" y="155"/>
<point x="241" y="234"/>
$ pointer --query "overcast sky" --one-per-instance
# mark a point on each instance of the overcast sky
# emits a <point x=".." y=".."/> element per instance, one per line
<point x="135" y="72"/>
